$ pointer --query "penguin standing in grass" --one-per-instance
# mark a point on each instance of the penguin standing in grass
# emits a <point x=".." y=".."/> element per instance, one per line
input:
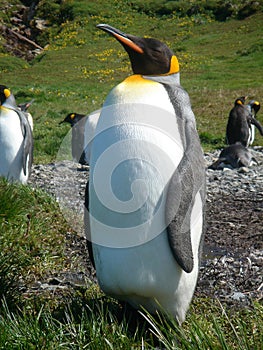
<point x="253" y="107"/>
<point x="16" y="140"/>
<point x="24" y="107"/>
<point x="145" y="198"/>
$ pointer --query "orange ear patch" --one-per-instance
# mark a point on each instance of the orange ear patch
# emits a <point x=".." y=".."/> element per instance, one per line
<point x="7" y="93"/>
<point x="72" y="116"/>
<point x="174" y="65"/>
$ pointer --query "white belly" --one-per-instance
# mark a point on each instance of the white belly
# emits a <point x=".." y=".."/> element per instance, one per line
<point x="11" y="146"/>
<point x="251" y="134"/>
<point x="136" y="149"/>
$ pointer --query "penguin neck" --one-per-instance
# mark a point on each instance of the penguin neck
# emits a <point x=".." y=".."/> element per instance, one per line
<point x="171" y="79"/>
<point x="10" y="103"/>
<point x="4" y="108"/>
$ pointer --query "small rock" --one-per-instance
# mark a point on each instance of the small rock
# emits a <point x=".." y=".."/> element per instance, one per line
<point x="238" y="296"/>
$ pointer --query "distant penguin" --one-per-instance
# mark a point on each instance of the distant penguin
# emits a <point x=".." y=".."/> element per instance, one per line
<point x="77" y="123"/>
<point x="253" y="107"/>
<point x="24" y="107"/>
<point x="16" y="140"/>
<point x="238" y="123"/>
<point x="233" y="156"/>
<point x="146" y="193"/>
<point x="83" y="129"/>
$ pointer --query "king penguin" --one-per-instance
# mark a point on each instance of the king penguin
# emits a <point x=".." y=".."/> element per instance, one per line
<point x="233" y="156"/>
<point x="16" y="140"/>
<point x="145" y="198"/>
<point x="253" y="107"/>
<point x="24" y="107"/>
<point x="77" y="123"/>
<point x="238" y="125"/>
<point x="83" y="129"/>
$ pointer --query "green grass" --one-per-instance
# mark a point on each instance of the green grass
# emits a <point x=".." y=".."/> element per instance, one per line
<point x="30" y="222"/>
<point x="102" y="323"/>
<point x="219" y="61"/>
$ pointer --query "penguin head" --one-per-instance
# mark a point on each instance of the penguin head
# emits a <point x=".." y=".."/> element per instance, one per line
<point x="241" y="100"/>
<point x="24" y="106"/>
<point x="255" y="105"/>
<point x="7" y="99"/>
<point x="72" y="118"/>
<point x="148" y="56"/>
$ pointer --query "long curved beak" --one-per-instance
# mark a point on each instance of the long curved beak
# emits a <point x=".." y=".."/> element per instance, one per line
<point x="120" y="36"/>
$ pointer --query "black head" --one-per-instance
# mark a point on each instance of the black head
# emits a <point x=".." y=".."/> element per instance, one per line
<point x="241" y="100"/>
<point x="4" y="93"/>
<point x="148" y="56"/>
<point x="24" y="106"/>
<point x="255" y="105"/>
<point x="72" y="118"/>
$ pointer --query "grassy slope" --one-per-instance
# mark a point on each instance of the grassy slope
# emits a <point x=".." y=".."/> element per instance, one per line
<point x="219" y="61"/>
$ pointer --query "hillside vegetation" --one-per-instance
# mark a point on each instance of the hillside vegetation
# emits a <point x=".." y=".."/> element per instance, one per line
<point x="219" y="60"/>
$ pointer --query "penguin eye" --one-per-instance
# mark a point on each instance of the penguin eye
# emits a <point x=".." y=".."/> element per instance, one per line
<point x="157" y="50"/>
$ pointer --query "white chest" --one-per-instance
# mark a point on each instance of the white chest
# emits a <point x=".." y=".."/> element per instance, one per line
<point x="11" y="140"/>
<point x="136" y="149"/>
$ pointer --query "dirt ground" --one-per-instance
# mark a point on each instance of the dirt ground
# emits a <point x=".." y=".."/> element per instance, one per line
<point x="235" y="224"/>
<point x="232" y="265"/>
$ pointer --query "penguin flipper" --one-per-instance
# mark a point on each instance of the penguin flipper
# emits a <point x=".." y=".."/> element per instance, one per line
<point x="87" y="225"/>
<point x="257" y="124"/>
<point x="182" y="189"/>
<point x="27" y="157"/>
<point x="187" y="180"/>
<point x="179" y="235"/>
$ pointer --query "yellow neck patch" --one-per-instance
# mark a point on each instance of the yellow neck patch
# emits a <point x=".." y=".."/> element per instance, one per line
<point x="137" y="78"/>
<point x="239" y="102"/>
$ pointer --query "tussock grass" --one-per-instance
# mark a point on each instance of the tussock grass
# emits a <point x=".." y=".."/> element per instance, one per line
<point x="213" y="326"/>
<point x="104" y="324"/>
<point x="32" y="232"/>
